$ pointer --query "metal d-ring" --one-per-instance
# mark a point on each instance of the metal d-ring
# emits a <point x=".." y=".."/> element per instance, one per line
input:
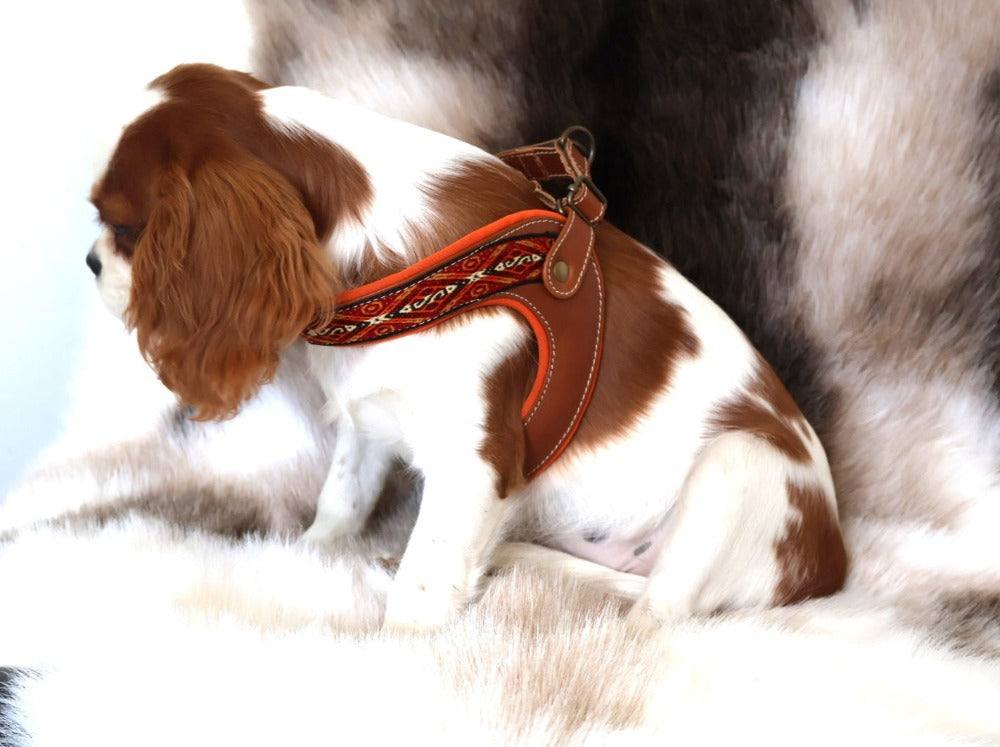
<point x="588" y="144"/>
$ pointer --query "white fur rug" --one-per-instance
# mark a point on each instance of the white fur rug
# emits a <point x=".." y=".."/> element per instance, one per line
<point x="153" y="593"/>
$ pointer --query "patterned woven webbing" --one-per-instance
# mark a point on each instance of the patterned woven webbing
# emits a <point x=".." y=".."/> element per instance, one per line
<point x="432" y="297"/>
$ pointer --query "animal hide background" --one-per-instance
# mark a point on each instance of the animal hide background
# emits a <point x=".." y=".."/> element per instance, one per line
<point x="827" y="171"/>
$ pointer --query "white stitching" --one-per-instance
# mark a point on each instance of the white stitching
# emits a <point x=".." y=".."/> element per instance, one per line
<point x="586" y="390"/>
<point x="552" y="350"/>
<point x="529" y="151"/>
<point x="518" y="152"/>
<point x="554" y="252"/>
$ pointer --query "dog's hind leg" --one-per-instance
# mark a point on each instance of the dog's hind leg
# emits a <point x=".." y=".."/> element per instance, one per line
<point x="748" y="530"/>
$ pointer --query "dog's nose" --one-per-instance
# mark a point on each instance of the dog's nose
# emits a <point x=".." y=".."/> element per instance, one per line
<point x="93" y="262"/>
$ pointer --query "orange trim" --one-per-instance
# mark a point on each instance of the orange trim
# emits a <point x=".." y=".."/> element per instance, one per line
<point x="543" y="347"/>
<point x="443" y="255"/>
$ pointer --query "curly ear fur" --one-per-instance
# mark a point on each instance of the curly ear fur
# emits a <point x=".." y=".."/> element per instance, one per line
<point x="226" y="274"/>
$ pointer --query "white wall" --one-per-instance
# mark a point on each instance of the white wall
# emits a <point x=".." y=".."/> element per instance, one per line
<point x="63" y="68"/>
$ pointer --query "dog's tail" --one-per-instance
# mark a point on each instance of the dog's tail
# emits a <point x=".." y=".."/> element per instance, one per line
<point x="522" y="554"/>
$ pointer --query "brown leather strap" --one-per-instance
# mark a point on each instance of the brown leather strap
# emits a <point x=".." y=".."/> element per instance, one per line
<point x="574" y="336"/>
<point x="559" y="160"/>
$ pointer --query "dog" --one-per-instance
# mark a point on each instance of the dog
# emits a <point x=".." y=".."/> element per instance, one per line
<point x="234" y="212"/>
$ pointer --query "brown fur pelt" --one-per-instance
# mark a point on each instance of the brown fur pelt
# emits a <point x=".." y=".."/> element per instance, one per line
<point x="827" y="171"/>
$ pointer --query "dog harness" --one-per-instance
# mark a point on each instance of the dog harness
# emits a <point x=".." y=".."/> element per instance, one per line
<point x="540" y="263"/>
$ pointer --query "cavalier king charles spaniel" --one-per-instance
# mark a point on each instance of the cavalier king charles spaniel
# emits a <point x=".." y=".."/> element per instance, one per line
<point x="233" y="212"/>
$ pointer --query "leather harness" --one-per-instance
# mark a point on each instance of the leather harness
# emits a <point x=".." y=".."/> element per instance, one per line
<point x="541" y="263"/>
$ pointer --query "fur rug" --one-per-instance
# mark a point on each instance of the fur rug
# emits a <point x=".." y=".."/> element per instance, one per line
<point x="827" y="171"/>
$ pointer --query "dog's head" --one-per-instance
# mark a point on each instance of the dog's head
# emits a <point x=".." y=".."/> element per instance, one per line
<point x="213" y="222"/>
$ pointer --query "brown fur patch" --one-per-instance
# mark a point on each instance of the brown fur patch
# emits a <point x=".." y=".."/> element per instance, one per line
<point x="645" y="338"/>
<point x="330" y="182"/>
<point x="227" y="274"/>
<point x="765" y="409"/>
<point x="473" y="195"/>
<point x="811" y="555"/>
<point x="505" y="390"/>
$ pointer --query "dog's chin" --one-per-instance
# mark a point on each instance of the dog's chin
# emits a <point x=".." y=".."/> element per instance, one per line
<point x="114" y="286"/>
<point x="114" y="300"/>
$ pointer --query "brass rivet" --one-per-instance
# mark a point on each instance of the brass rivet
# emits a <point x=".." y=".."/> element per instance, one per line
<point x="560" y="271"/>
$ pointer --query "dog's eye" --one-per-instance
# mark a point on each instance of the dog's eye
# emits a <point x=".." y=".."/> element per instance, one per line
<point x="124" y="239"/>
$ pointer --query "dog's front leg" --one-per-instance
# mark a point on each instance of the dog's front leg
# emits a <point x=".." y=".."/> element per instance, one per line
<point x="352" y="486"/>
<point x="461" y="518"/>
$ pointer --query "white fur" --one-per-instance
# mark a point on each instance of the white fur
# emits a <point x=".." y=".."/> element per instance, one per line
<point x="115" y="281"/>
<point x="391" y="400"/>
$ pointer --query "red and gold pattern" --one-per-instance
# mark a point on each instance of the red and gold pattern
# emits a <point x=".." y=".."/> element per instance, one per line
<point x="433" y="296"/>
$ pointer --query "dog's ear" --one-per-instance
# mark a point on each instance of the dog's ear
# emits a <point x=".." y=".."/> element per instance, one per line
<point x="226" y="274"/>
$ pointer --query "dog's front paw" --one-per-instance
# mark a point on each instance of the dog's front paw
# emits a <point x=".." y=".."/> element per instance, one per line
<point x="649" y="616"/>
<point x="418" y="608"/>
<point x="424" y="603"/>
<point x="326" y="527"/>
<point x="642" y="620"/>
